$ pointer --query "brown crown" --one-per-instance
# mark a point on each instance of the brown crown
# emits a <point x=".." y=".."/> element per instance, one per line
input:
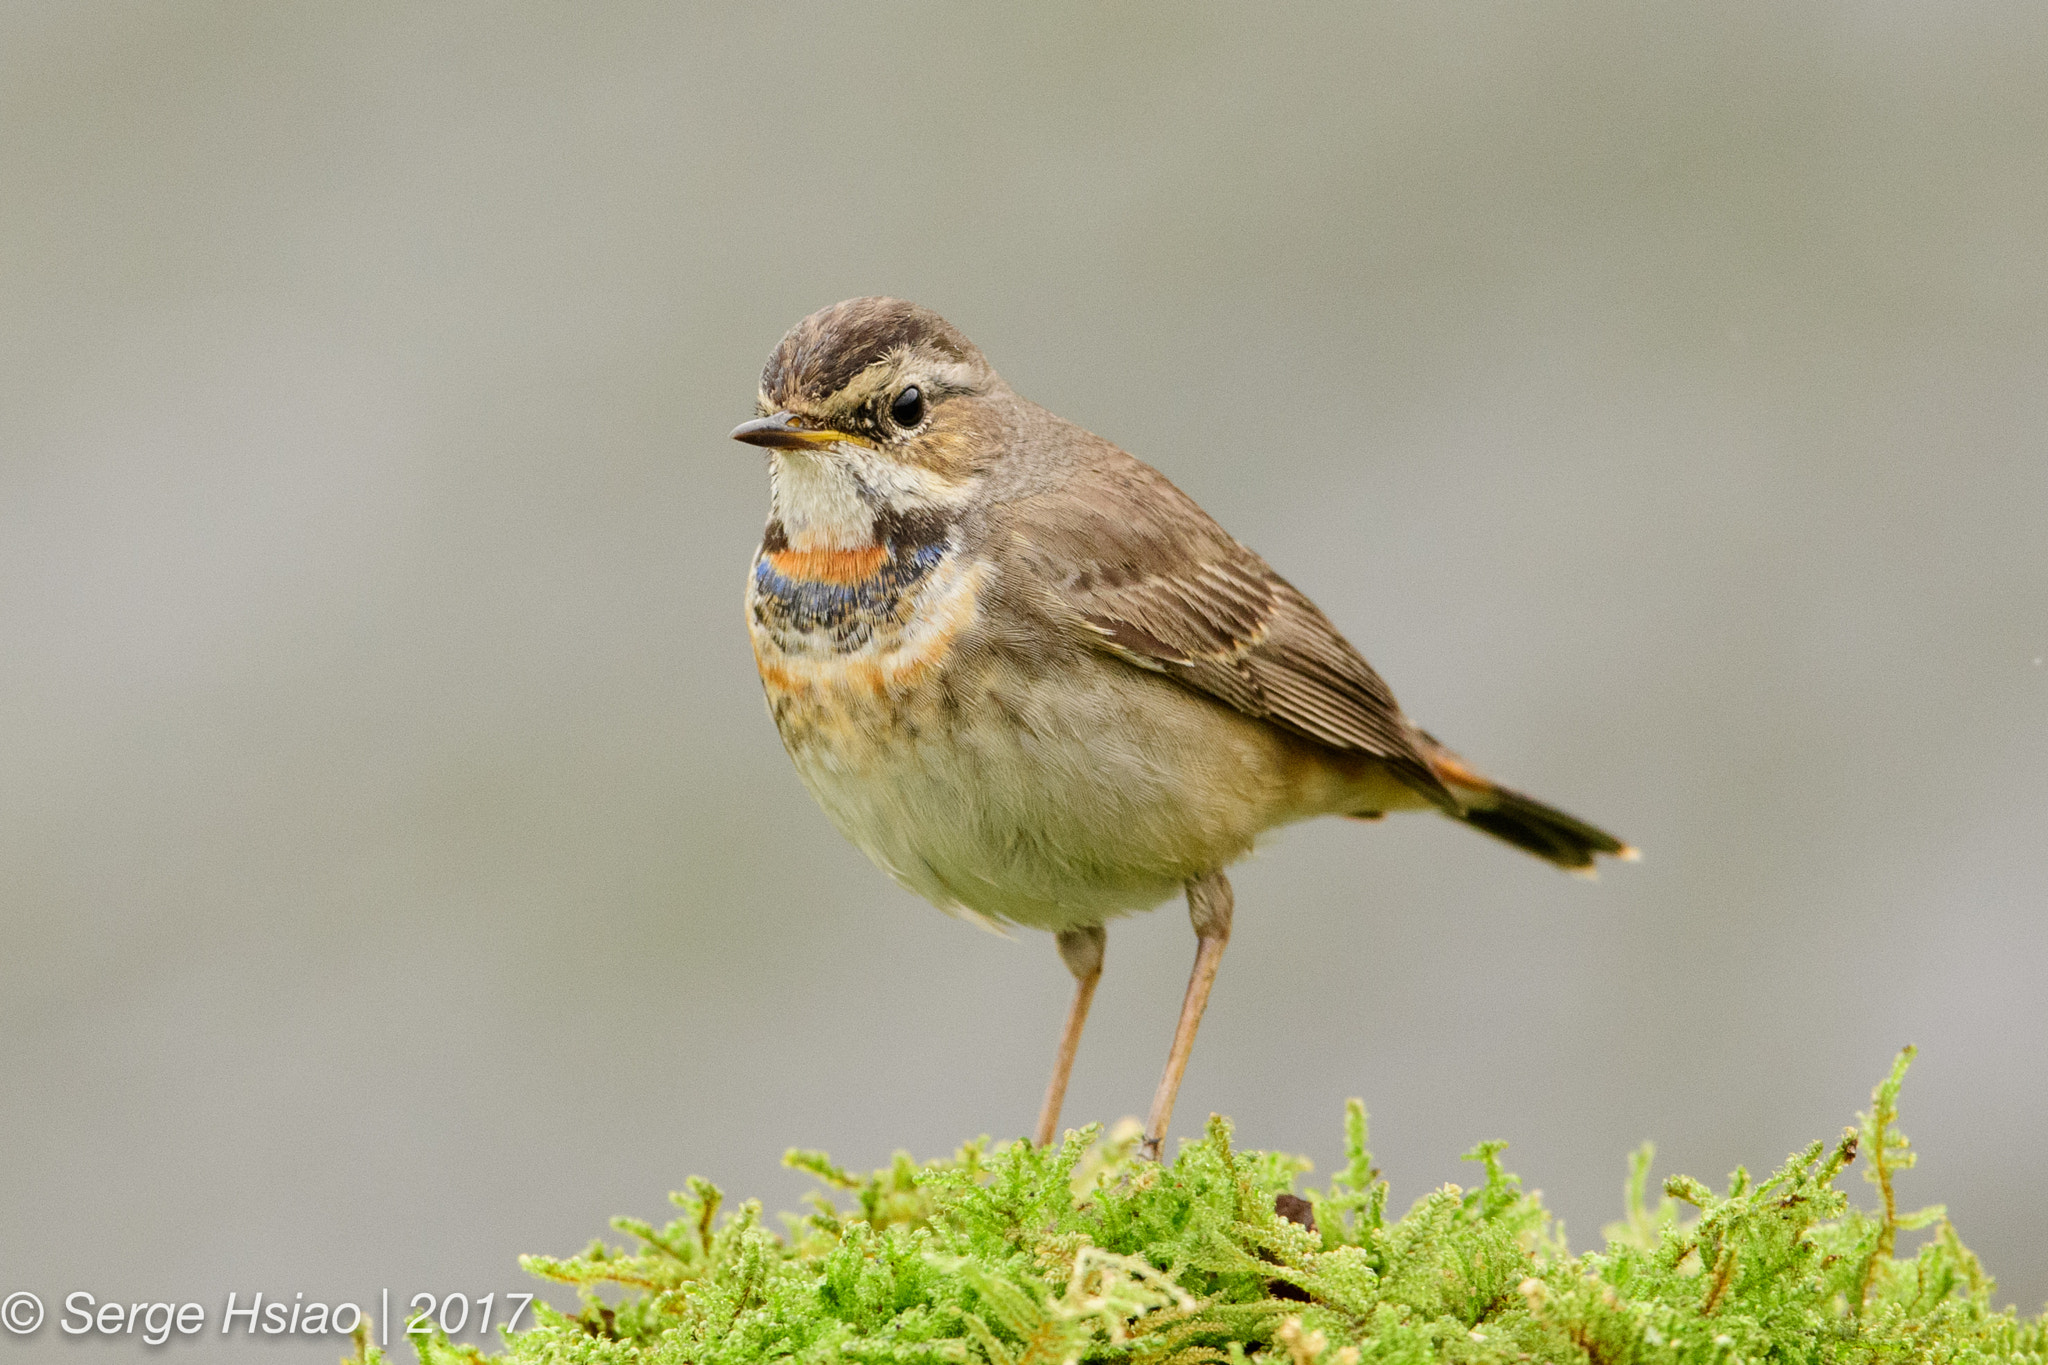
<point x="817" y="357"/>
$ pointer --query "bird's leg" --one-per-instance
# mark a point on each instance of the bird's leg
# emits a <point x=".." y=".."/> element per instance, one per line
<point x="1209" y="906"/>
<point x="1081" y="950"/>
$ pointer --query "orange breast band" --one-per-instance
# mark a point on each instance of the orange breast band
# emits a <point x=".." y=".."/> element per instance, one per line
<point x="844" y="567"/>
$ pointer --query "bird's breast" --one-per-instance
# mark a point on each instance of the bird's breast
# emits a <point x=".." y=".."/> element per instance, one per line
<point x="842" y="634"/>
<point x="836" y="602"/>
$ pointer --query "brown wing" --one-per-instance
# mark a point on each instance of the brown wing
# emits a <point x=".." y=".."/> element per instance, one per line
<point x="1157" y="582"/>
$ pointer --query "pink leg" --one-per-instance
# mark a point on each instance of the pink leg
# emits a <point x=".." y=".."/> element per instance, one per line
<point x="1209" y="906"/>
<point x="1081" y="950"/>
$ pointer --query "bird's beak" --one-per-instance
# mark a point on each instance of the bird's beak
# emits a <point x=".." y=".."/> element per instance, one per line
<point x="782" y="432"/>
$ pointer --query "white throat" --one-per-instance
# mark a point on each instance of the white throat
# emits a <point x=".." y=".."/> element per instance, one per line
<point x="818" y="500"/>
<point x="827" y="500"/>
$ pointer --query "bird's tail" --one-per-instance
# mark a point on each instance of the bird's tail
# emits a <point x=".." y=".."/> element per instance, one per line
<point x="1521" y="820"/>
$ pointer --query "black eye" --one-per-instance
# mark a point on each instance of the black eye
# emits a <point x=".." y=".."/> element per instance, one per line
<point x="908" y="409"/>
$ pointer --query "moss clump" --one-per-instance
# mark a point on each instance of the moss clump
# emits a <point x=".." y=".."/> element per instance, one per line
<point x="1013" y="1255"/>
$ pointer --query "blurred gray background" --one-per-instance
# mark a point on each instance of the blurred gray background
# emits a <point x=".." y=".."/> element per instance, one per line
<point x="398" y="871"/>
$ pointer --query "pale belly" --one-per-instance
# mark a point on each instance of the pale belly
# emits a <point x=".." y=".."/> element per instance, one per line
<point x="1052" y="792"/>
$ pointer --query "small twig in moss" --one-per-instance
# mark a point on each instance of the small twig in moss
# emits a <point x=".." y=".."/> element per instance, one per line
<point x="1889" y="1152"/>
<point x="1724" y="1272"/>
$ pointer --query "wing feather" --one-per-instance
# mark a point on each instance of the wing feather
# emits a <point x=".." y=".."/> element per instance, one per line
<point x="1151" y="578"/>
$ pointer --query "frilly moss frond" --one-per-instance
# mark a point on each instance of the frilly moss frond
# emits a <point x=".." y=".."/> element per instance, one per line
<point x="1013" y="1255"/>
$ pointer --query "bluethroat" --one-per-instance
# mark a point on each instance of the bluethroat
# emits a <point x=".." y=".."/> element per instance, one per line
<point x="1034" y="682"/>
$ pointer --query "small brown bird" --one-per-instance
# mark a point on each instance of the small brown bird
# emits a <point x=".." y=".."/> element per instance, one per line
<point x="1034" y="682"/>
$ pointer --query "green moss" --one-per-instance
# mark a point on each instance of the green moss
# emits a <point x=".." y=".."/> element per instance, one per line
<point x="1082" y="1252"/>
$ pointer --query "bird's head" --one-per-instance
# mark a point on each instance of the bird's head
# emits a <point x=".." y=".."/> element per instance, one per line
<point x="875" y="399"/>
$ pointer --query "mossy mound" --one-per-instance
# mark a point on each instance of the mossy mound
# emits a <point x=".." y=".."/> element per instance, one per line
<point x="1082" y="1252"/>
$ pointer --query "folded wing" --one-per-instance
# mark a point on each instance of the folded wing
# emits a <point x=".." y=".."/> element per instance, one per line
<point x="1161" y="585"/>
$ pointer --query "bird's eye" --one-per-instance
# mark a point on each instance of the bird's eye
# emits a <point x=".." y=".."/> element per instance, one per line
<point x="908" y="409"/>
